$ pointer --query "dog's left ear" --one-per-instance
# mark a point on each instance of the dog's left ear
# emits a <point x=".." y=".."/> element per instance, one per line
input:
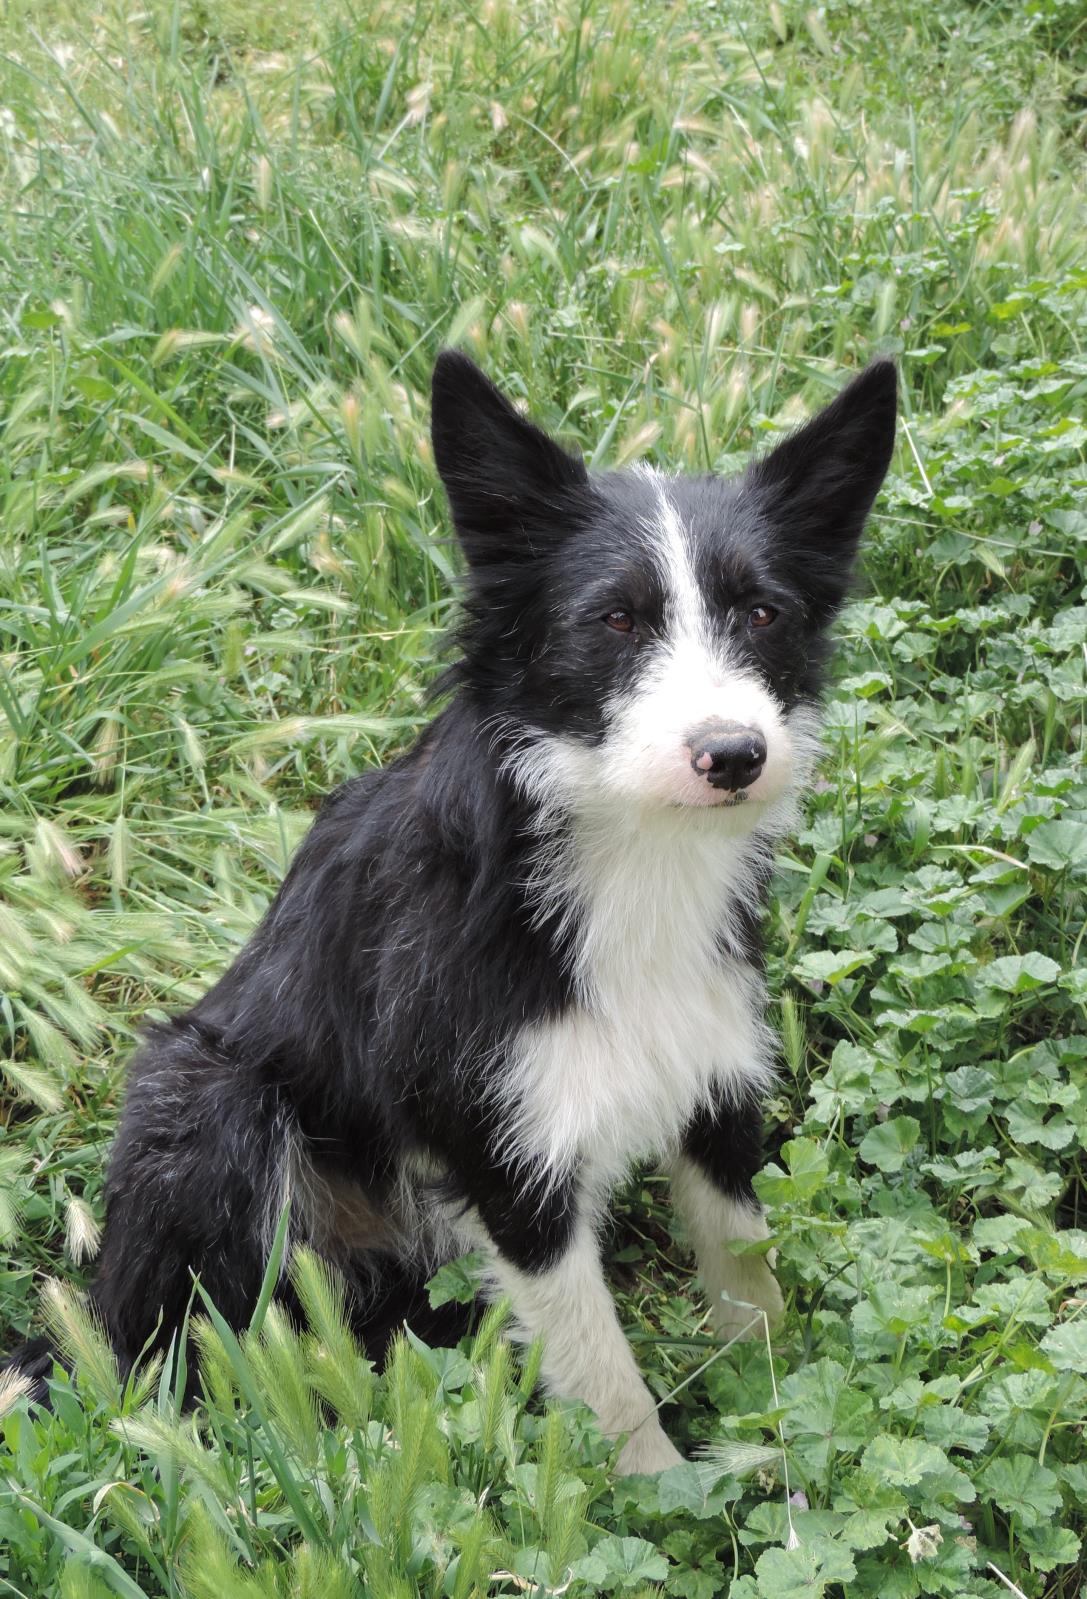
<point x="817" y="488"/>
<point x="506" y="480"/>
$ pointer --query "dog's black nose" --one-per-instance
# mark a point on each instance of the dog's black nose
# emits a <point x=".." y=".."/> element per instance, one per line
<point x="727" y="754"/>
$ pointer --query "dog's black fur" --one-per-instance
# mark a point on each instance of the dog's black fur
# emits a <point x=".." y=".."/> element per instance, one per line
<point x="358" y="1034"/>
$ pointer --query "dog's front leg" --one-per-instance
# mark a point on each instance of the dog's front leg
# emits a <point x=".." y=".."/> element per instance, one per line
<point x="561" y="1296"/>
<point x="712" y="1192"/>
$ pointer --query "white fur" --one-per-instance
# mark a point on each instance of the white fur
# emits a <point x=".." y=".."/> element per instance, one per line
<point x="647" y="892"/>
<point x="664" y="1015"/>
<point x="585" y="1355"/>
<point x="733" y="1283"/>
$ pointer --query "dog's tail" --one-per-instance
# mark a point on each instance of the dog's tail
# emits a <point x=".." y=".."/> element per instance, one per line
<point x="198" y="1177"/>
<point x="27" y="1369"/>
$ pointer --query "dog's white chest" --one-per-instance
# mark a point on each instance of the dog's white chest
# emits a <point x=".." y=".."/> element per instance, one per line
<point x="663" y="1016"/>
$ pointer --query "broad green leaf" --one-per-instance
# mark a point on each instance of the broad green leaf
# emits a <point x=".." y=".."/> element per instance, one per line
<point x="457" y="1282"/>
<point x="825" y="1413"/>
<point x="1061" y="845"/>
<point x="902" y="1461"/>
<point x="803" y="1573"/>
<point x="887" y="1144"/>
<point x="889" y="1312"/>
<point x="1017" y="974"/>
<point x="1049" y="1546"/>
<point x="1075" y="984"/>
<point x="1066" y="1346"/>
<point x="808" y="1171"/>
<point x="1021" y="1487"/>
<point x="831" y="965"/>
<point x="620" y="1563"/>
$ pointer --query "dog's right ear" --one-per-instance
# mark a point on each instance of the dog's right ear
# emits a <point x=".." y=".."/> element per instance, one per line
<point x="507" y="481"/>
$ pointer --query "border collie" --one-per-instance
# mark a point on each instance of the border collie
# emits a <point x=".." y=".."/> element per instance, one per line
<point x="525" y="955"/>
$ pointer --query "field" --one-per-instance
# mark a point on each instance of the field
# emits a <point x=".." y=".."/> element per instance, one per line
<point x="233" y="237"/>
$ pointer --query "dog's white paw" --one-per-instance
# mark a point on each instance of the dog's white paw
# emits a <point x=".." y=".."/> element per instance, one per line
<point x="751" y="1281"/>
<point x="647" y="1450"/>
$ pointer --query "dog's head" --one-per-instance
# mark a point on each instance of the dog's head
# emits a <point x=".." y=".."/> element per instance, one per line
<point x="651" y="639"/>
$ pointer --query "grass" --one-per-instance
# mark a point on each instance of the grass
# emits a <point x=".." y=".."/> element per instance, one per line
<point x="233" y="239"/>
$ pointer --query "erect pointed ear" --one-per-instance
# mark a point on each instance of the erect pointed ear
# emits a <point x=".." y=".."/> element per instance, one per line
<point x="817" y="488"/>
<point x="506" y="480"/>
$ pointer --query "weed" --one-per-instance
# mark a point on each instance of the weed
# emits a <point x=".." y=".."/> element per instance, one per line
<point x="233" y="239"/>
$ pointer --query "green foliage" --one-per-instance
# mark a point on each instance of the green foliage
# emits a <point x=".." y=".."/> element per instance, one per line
<point x="233" y="238"/>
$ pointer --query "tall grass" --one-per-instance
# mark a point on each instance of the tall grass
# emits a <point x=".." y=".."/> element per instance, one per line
<point x="233" y="239"/>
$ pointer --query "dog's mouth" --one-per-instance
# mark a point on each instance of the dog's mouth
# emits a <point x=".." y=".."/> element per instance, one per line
<point x="719" y="802"/>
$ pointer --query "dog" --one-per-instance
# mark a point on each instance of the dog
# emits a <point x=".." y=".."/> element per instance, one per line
<point x="525" y="954"/>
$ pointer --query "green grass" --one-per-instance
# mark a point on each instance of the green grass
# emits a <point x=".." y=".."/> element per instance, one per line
<point x="233" y="238"/>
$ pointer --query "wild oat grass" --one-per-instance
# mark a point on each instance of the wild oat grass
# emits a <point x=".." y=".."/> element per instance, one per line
<point x="233" y="239"/>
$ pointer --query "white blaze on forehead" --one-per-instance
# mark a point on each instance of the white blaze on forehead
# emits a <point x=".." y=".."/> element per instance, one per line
<point x="686" y="610"/>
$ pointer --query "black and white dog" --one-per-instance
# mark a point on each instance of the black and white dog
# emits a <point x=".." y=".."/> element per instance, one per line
<point x="525" y="954"/>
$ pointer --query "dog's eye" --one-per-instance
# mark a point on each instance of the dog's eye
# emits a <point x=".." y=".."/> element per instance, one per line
<point x="762" y="615"/>
<point x="621" y="621"/>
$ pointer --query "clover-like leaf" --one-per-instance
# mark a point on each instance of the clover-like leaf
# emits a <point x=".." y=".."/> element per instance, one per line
<point x="1022" y="1487"/>
<point x="888" y="1143"/>
<point x="616" y="1562"/>
<point x="1066" y="1346"/>
<point x="805" y="1572"/>
<point x="831" y="965"/>
<point x="1061" y="845"/>
<point x="1018" y="974"/>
